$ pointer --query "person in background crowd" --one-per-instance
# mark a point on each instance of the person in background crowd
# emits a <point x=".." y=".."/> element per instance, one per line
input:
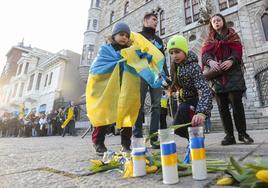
<point x="43" y="125"/>
<point x="70" y="128"/>
<point x="49" y="123"/>
<point x="208" y="125"/>
<point x="60" y="118"/>
<point x="164" y="111"/>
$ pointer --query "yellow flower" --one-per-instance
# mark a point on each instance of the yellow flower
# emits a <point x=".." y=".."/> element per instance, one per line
<point x="262" y="175"/>
<point x="97" y="162"/>
<point x="225" y="181"/>
<point x="151" y="169"/>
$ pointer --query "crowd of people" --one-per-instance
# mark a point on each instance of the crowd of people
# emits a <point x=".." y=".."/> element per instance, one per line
<point x="36" y="124"/>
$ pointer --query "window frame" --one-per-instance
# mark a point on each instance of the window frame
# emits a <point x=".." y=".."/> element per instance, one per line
<point x="111" y="17"/>
<point x="30" y="86"/>
<point x="126" y="8"/>
<point x="189" y="6"/>
<point x="265" y="31"/>
<point x="38" y="82"/>
<point x="50" y="79"/>
<point x="227" y="4"/>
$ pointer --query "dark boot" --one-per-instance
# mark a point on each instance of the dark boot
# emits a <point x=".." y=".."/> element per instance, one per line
<point x="125" y="148"/>
<point x="245" y="138"/>
<point x="100" y="149"/>
<point x="154" y="143"/>
<point x="228" y="140"/>
<point x="126" y="134"/>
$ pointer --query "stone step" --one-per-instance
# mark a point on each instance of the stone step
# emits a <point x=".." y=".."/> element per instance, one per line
<point x="246" y="112"/>
<point x="249" y="127"/>
<point x="248" y="118"/>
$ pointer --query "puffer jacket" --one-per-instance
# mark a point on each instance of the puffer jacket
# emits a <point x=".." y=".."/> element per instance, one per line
<point x="193" y="84"/>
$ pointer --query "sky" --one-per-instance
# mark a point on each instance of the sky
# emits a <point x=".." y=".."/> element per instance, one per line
<point x="50" y="25"/>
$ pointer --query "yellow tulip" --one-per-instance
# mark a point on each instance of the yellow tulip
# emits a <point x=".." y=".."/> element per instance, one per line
<point x="225" y="181"/>
<point x="97" y="162"/>
<point x="151" y="169"/>
<point x="262" y="175"/>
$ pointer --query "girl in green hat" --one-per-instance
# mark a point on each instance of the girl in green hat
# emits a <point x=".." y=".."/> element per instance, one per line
<point x="188" y="81"/>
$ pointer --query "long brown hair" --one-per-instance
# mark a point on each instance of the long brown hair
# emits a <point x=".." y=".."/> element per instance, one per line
<point x="174" y="77"/>
<point x="224" y="27"/>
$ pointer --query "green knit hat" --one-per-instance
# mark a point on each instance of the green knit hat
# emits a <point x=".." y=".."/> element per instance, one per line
<point x="179" y="42"/>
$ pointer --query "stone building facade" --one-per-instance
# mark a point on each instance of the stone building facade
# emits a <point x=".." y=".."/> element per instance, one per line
<point x="248" y="17"/>
<point x="41" y="81"/>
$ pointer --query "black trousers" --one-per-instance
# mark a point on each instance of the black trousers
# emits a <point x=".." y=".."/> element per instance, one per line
<point x="98" y="135"/>
<point x="235" y="99"/>
<point x="163" y="118"/>
<point x="184" y="115"/>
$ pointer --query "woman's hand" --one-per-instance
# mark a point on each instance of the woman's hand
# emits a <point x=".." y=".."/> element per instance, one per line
<point x="214" y="65"/>
<point x="198" y="119"/>
<point x="226" y="65"/>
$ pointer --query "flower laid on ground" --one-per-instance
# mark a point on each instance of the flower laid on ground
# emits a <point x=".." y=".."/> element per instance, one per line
<point x="247" y="175"/>
<point x="122" y="162"/>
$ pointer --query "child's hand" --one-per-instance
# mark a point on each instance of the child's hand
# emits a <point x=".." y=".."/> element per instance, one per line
<point x="198" y="119"/>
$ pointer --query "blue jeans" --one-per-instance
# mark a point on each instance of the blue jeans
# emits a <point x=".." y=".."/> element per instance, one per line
<point x="207" y="125"/>
<point x="155" y="94"/>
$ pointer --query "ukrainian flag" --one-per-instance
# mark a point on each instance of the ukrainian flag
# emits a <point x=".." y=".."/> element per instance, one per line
<point x="113" y="87"/>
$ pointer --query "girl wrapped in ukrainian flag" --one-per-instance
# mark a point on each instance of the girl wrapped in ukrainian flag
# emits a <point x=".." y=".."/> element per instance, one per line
<point x="113" y="88"/>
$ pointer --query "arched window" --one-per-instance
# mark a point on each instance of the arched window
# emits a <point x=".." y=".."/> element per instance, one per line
<point x="191" y="9"/>
<point x="126" y="8"/>
<point x="95" y="24"/>
<point x="90" y="52"/>
<point x="19" y="69"/>
<point x="50" y="78"/>
<point x="160" y="29"/>
<point x="264" y="20"/>
<point x="26" y="68"/>
<point x="224" y="4"/>
<point x="192" y="38"/>
<point x="88" y="24"/>
<point x="37" y="86"/>
<point x="112" y="17"/>
<point x="162" y="22"/>
<point x="230" y="24"/>
<point x="97" y="3"/>
<point x="262" y="81"/>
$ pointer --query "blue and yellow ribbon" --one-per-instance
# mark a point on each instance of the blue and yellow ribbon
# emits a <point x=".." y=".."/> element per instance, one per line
<point x="197" y="147"/>
<point x="169" y="156"/>
<point x="169" y="160"/>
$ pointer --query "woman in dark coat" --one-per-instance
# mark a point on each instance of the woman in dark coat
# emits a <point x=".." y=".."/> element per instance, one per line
<point x="222" y="54"/>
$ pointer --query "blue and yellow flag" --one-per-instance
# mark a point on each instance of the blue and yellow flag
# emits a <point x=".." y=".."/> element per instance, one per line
<point x="69" y="117"/>
<point x="22" y="110"/>
<point x="146" y="59"/>
<point x="113" y="87"/>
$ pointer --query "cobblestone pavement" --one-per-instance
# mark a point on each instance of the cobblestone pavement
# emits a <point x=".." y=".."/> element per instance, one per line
<point x="25" y="162"/>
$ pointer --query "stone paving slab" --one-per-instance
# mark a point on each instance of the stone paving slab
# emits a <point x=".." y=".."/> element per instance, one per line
<point x="21" y="157"/>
